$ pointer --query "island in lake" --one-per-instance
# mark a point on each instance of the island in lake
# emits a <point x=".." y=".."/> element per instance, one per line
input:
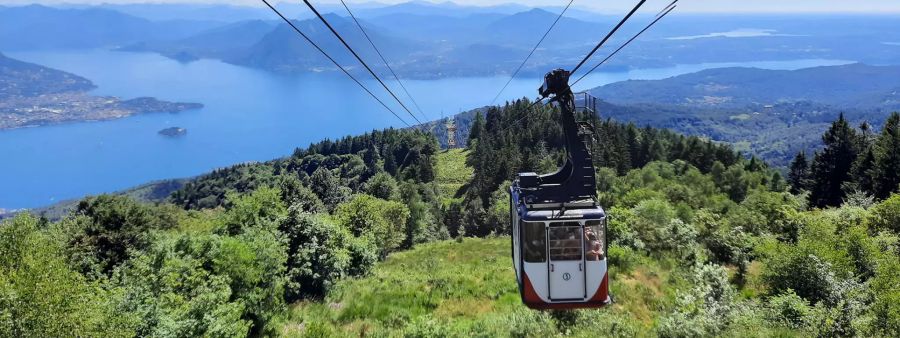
<point x="34" y="95"/>
<point x="173" y="132"/>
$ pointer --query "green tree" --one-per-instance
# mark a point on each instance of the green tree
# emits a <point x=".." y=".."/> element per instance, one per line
<point x="327" y="187"/>
<point x="108" y="226"/>
<point x="886" y="169"/>
<point x="293" y="192"/>
<point x="831" y="167"/>
<point x="41" y="297"/>
<point x="477" y="128"/>
<point x="190" y="284"/>
<point x="261" y="208"/>
<point x="383" y="186"/>
<point x="886" y="215"/>
<point x="317" y="254"/>
<point x="798" y="176"/>
<point x="384" y="221"/>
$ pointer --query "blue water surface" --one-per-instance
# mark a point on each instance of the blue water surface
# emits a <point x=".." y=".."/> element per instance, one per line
<point x="249" y="115"/>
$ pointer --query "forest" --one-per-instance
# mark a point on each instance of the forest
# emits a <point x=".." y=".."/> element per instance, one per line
<point x="388" y="234"/>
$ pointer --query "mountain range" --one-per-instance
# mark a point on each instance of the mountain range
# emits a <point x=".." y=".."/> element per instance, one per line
<point x="771" y="113"/>
<point x="432" y="40"/>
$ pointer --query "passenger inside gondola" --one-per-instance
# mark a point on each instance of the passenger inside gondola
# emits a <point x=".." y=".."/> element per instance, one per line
<point x="593" y="250"/>
<point x="565" y="243"/>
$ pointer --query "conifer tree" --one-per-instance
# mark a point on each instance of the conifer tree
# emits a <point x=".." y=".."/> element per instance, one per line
<point x="477" y="127"/>
<point x="886" y="166"/>
<point x="831" y="167"/>
<point x="798" y="176"/>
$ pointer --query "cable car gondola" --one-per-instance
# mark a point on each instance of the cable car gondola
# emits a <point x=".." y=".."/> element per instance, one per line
<point x="558" y="227"/>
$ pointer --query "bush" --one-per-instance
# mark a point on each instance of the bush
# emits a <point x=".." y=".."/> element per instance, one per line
<point x="205" y="284"/>
<point x="383" y="186"/>
<point x="886" y="305"/>
<point x="318" y="254"/>
<point x="790" y="310"/>
<point x="261" y="208"/>
<point x="886" y="215"/>
<point x="41" y="297"/>
<point x="108" y="226"/>
<point x="706" y="309"/>
<point x="384" y="221"/>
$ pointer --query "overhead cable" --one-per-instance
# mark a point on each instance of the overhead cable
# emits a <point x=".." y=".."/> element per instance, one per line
<point x="338" y="35"/>
<point x="333" y="61"/>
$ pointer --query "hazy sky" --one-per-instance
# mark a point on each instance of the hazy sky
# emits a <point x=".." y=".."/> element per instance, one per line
<point x="855" y="6"/>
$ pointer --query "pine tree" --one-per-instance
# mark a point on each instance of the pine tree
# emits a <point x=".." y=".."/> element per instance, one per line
<point x="861" y="173"/>
<point x="798" y="176"/>
<point x="831" y="167"/>
<point x="477" y="128"/>
<point x="886" y="167"/>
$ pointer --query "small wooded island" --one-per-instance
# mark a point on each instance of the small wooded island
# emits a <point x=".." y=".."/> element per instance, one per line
<point x="33" y="95"/>
<point x="173" y="132"/>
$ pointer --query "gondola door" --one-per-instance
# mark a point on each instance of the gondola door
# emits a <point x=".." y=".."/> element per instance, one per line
<point x="566" y="265"/>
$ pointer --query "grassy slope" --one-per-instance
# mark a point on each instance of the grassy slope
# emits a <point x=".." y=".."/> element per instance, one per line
<point x="468" y="288"/>
<point x="452" y="172"/>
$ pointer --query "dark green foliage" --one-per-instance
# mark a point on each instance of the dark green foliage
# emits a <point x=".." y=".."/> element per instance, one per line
<point x="886" y="215"/>
<point x="852" y="164"/>
<point x="384" y="222"/>
<point x="798" y="175"/>
<point x="831" y="167"/>
<point x="40" y="296"/>
<point x="350" y="162"/>
<point x="886" y="167"/>
<point x="206" y="285"/>
<point x="383" y="186"/>
<point x="325" y="185"/>
<point x="209" y="191"/>
<point x="108" y="227"/>
<point x="317" y="251"/>
<point x="293" y="192"/>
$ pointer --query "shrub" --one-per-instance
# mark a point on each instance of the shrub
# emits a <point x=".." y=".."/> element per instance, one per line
<point x="384" y="221"/>
<point x="108" y="226"/>
<point x="317" y="251"/>
<point x="886" y="215"/>
<point x="41" y="297"/>
<point x="261" y="208"/>
<point x="790" y="310"/>
<point x="706" y="309"/>
<point x="383" y="186"/>
<point x="886" y="305"/>
<point x="204" y="284"/>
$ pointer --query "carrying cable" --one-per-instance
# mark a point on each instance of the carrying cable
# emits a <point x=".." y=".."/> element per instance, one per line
<point x="530" y="53"/>
<point x="384" y="60"/>
<point x="670" y="9"/>
<point x="665" y="10"/>
<point x="613" y="31"/>
<point x="333" y="61"/>
<point x="336" y="34"/>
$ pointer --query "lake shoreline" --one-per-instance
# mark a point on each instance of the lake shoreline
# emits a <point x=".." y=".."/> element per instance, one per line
<point x="248" y="115"/>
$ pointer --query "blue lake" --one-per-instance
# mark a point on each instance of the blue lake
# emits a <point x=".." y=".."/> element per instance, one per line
<point x="249" y="115"/>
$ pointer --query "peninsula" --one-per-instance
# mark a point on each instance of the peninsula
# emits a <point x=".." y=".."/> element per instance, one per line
<point x="33" y="95"/>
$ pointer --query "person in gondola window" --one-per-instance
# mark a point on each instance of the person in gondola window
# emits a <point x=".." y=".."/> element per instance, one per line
<point x="593" y="250"/>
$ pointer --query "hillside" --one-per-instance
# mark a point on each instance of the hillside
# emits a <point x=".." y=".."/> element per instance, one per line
<point x="464" y="288"/>
<point x="18" y="78"/>
<point x="770" y="113"/>
<point x="32" y="95"/>
<point x="359" y="236"/>
<point x="41" y="27"/>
